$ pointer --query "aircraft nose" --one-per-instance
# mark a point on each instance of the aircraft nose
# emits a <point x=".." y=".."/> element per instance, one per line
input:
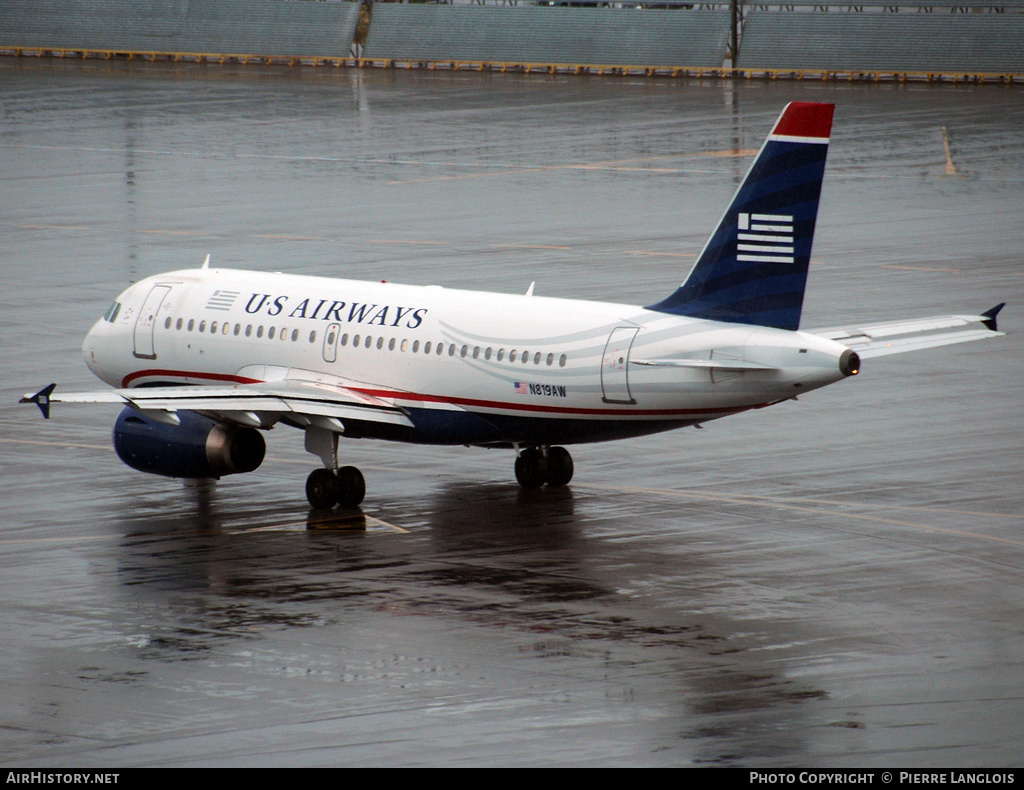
<point x="91" y="349"/>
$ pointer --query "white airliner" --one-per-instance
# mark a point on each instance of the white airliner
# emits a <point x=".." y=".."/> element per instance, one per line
<point x="205" y="360"/>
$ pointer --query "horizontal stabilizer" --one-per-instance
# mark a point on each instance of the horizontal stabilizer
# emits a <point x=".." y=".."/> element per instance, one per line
<point x="897" y="337"/>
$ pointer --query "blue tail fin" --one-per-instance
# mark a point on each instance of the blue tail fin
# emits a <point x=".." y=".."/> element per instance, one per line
<point x="753" y="269"/>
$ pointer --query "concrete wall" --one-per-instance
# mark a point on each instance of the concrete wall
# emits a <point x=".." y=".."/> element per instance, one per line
<point x="937" y="42"/>
<point x="237" y="27"/>
<point x="531" y="34"/>
<point x="943" y="41"/>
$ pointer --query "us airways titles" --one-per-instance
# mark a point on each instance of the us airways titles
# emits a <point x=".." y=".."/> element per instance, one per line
<point x="336" y="310"/>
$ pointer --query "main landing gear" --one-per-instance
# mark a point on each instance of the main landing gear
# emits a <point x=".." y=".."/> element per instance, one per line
<point x="325" y="489"/>
<point x="536" y="466"/>
<point x="330" y="486"/>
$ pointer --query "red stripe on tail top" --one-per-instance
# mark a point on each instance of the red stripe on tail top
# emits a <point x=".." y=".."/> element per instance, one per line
<point x="805" y="119"/>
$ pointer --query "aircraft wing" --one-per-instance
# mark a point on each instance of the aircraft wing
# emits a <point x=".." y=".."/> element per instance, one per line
<point x="896" y="337"/>
<point x="259" y="404"/>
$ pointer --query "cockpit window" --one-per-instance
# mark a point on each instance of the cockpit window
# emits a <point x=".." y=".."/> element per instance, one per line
<point x="112" y="311"/>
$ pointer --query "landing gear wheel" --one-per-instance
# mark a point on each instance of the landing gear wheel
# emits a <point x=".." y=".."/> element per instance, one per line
<point x="559" y="467"/>
<point x="351" y="486"/>
<point x="322" y="488"/>
<point x="531" y="468"/>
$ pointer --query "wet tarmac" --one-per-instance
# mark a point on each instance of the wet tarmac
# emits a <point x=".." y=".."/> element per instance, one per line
<point x="833" y="582"/>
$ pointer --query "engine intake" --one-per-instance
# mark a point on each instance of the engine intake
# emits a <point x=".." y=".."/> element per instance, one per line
<point x="197" y="447"/>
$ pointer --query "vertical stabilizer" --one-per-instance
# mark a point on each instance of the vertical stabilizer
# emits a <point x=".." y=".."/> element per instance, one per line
<point x="753" y="269"/>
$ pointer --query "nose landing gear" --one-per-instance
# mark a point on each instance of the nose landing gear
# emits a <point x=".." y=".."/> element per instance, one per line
<point x="536" y="466"/>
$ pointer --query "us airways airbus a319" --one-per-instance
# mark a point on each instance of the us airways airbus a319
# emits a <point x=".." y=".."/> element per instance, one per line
<point x="207" y="360"/>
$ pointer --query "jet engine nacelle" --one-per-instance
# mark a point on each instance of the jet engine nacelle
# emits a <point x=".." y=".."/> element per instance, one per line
<point x="197" y="447"/>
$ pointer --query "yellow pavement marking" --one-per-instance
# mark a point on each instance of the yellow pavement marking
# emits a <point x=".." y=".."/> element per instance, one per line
<point x="531" y="246"/>
<point x="160" y="231"/>
<point x="661" y="254"/>
<point x="289" y="237"/>
<point x="608" y="165"/>
<point x="920" y="268"/>
<point x="950" y="167"/>
<point x="402" y="241"/>
<point x="32" y="226"/>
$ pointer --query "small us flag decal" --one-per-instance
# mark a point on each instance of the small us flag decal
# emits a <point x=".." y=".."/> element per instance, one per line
<point x="222" y="300"/>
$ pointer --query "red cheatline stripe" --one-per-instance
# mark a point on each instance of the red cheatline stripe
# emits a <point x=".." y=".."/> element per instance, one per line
<point x="142" y="374"/>
<point x="536" y="407"/>
<point x="454" y="401"/>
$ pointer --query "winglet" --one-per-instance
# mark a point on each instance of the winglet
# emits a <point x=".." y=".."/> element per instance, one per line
<point x="41" y="399"/>
<point x="990" y="316"/>
<point x="206" y="263"/>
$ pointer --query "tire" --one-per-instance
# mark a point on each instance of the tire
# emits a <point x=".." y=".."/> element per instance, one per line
<point x="531" y="468"/>
<point x="322" y="489"/>
<point x="559" y="467"/>
<point x="351" y="487"/>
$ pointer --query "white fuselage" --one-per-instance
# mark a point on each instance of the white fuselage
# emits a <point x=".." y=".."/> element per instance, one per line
<point x="468" y="367"/>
